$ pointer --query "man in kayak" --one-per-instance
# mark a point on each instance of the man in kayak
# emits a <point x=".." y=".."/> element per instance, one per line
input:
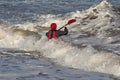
<point x="53" y="33"/>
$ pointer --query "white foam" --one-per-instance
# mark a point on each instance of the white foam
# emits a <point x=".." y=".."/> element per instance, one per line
<point x="66" y="54"/>
<point x="87" y="58"/>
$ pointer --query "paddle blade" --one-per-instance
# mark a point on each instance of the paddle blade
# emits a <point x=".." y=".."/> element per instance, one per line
<point x="71" y="21"/>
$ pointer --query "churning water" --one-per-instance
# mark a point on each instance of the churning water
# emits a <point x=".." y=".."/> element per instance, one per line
<point x="91" y="50"/>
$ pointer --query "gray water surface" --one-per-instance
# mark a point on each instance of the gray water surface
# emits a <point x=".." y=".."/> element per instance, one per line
<point x="17" y="11"/>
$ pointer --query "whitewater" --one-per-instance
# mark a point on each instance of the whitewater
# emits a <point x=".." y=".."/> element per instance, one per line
<point x="90" y="51"/>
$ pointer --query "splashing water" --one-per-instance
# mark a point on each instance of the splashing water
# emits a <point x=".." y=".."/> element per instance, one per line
<point x="93" y="42"/>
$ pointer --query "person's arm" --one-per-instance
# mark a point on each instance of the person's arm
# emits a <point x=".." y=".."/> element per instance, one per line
<point x="46" y="33"/>
<point x="60" y="33"/>
<point x="65" y="31"/>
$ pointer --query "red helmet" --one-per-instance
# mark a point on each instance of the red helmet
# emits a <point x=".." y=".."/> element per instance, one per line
<point x="53" y="26"/>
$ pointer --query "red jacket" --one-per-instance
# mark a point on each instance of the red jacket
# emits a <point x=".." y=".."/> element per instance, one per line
<point x="56" y="33"/>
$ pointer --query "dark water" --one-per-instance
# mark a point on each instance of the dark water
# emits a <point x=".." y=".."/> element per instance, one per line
<point x="16" y="11"/>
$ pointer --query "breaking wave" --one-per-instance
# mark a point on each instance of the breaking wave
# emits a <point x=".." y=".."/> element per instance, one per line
<point x="92" y="43"/>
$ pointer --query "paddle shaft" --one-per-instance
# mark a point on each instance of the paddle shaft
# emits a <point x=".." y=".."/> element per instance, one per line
<point x="69" y="22"/>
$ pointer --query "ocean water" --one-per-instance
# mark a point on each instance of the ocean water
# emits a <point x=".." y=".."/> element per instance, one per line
<point x="16" y="11"/>
<point x="90" y="51"/>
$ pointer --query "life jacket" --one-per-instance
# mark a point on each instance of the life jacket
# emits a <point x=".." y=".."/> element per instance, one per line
<point x="52" y="34"/>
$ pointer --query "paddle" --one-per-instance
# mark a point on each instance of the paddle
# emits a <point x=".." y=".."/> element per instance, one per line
<point x="68" y="23"/>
